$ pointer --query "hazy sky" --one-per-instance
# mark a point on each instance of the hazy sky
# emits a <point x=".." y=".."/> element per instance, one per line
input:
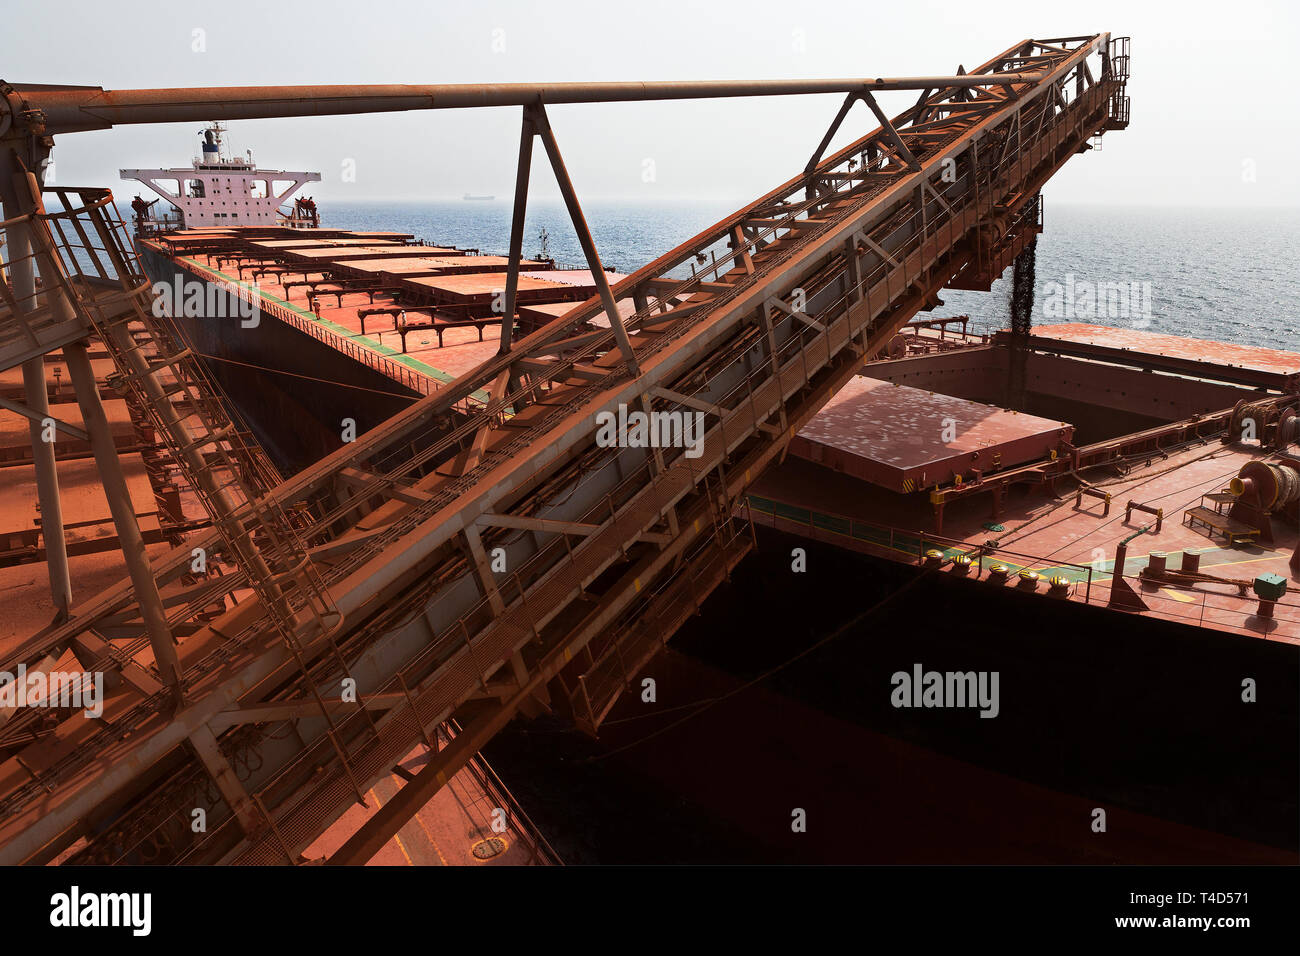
<point x="1207" y="82"/>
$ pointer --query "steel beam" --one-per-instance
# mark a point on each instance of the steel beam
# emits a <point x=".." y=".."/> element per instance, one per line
<point x="87" y="108"/>
<point x="300" y="709"/>
<point x="41" y="416"/>
<point x="528" y="130"/>
<point x="588" y="244"/>
<point x="22" y="277"/>
<point x="123" y="510"/>
<point x="250" y="817"/>
<point x="895" y="140"/>
<point x="536" y="524"/>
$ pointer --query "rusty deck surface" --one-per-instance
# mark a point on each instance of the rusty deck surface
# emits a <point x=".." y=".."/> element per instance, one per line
<point x="345" y="242"/>
<point x="422" y="265"/>
<point x="904" y="438"/>
<point x="579" y="278"/>
<point x="428" y="363"/>
<point x="317" y="232"/>
<point x="363" y="250"/>
<point x="453" y="829"/>
<point x="276" y="245"/>
<point x="95" y="557"/>
<point x="1211" y="353"/>
<point x="483" y="285"/>
<point x="417" y="268"/>
<point x="541" y="312"/>
<point x="449" y="285"/>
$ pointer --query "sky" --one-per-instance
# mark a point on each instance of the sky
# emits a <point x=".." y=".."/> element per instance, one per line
<point x="1206" y="128"/>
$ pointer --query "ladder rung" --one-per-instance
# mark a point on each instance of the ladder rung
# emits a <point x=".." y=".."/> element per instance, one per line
<point x="292" y="574"/>
<point x="211" y="438"/>
<point x="176" y="359"/>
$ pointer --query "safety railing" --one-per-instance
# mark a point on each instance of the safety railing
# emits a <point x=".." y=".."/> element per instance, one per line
<point x="873" y="537"/>
<point x="1198" y="606"/>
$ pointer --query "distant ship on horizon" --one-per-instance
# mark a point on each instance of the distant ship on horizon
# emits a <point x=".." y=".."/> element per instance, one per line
<point x="469" y="197"/>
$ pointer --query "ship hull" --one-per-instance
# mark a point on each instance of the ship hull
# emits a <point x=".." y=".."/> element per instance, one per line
<point x="295" y="393"/>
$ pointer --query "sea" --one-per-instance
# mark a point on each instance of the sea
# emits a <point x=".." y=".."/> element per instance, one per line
<point x="1231" y="275"/>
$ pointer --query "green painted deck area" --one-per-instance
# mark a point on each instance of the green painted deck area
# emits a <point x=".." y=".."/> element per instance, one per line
<point x="898" y="541"/>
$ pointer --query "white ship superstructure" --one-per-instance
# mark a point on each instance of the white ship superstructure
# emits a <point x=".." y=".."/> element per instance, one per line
<point x="220" y="190"/>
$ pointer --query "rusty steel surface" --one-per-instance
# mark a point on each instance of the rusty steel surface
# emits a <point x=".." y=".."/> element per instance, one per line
<point x="368" y="241"/>
<point x="610" y="547"/>
<point x="478" y="286"/>
<point x="348" y="243"/>
<point x="1218" y="354"/>
<point x="1217" y="360"/>
<point x="425" y="265"/>
<point x="579" y="278"/>
<point x="906" y="439"/>
<point x="338" y="252"/>
<point x="546" y="311"/>
<point x="85" y="108"/>
<point x="275" y="244"/>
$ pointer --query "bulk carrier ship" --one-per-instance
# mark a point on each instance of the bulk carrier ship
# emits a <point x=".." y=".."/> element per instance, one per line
<point x="359" y="387"/>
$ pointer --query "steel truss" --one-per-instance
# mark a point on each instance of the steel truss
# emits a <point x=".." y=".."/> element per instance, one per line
<point x="477" y="559"/>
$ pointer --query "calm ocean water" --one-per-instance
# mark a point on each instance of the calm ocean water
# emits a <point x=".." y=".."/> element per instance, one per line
<point x="1231" y="275"/>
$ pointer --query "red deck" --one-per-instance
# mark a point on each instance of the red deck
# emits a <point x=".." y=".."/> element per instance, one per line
<point x="278" y="245"/>
<point x="1048" y="534"/>
<point x="431" y="362"/>
<point x="422" y="268"/>
<point x="1211" y="354"/>
<point x="364" y="250"/>
<point x="480" y="287"/>
<point x="546" y="311"/>
<point x="422" y="265"/>
<point x="905" y="439"/>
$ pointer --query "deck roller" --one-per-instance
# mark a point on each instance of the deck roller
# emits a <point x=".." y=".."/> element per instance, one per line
<point x="1288" y="428"/>
<point x="1271" y="426"/>
<point x="1274" y="485"/>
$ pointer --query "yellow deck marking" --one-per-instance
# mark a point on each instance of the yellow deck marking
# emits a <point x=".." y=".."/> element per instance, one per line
<point x="429" y="834"/>
<point x="400" y="846"/>
<point x="396" y="839"/>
